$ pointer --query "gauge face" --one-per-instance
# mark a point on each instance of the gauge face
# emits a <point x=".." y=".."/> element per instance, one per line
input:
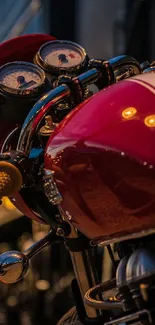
<point x="21" y="77"/>
<point x="62" y="54"/>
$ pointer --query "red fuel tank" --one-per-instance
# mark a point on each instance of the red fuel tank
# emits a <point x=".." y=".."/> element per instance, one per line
<point x="103" y="158"/>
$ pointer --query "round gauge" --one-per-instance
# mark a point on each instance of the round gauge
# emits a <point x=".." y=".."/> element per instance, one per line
<point x="57" y="56"/>
<point x="21" y="78"/>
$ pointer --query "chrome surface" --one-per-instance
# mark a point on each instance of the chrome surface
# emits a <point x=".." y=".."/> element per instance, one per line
<point x="102" y="304"/>
<point x="121" y="272"/>
<point x="14" y="264"/>
<point x="125" y="61"/>
<point x="136" y="317"/>
<point x="124" y="291"/>
<point x="140" y="264"/>
<point x="41" y="108"/>
<point x="50" y="188"/>
<point x="135" y="235"/>
<point x="49" y="126"/>
<point x="88" y="77"/>
<point x="149" y="69"/>
<point x="84" y="269"/>
<point x="39" y="245"/>
<point x="7" y="142"/>
<point x="125" y="67"/>
<point x="125" y="74"/>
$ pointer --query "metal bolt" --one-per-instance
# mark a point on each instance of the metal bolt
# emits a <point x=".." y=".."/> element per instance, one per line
<point x="48" y="122"/>
<point x="69" y="216"/>
<point x="92" y="243"/>
<point x="60" y="232"/>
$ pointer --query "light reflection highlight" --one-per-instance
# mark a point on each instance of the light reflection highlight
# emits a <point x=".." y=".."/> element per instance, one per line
<point x="129" y="112"/>
<point x="150" y="121"/>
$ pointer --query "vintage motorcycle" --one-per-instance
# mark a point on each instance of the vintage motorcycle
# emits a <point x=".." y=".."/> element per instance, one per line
<point x="77" y="153"/>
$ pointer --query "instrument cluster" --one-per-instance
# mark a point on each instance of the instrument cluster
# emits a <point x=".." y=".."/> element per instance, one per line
<point x="53" y="59"/>
<point x="21" y="78"/>
<point x="56" y="63"/>
<point x="62" y="57"/>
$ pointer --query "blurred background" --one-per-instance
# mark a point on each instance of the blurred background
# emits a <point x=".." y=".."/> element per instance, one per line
<point x="105" y="28"/>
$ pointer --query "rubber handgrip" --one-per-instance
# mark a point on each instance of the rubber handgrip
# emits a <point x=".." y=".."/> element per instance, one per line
<point x="5" y="184"/>
<point x="10" y="179"/>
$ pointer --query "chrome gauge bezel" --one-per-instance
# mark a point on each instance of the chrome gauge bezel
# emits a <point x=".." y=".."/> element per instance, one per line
<point x="60" y="70"/>
<point x="24" y="92"/>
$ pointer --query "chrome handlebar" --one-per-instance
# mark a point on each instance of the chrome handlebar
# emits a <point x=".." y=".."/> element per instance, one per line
<point x="44" y="105"/>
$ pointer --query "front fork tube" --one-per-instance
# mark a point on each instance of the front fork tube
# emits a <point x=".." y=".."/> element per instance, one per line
<point x="85" y="273"/>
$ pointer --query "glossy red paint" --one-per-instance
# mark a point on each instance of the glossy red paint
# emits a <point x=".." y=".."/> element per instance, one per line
<point x="22" y="48"/>
<point x="103" y="155"/>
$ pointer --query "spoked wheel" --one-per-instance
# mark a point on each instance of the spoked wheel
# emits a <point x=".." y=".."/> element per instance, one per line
<point x="70" y="318"/>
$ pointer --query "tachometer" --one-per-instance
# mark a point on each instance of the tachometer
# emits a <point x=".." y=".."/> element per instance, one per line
<point x="61" y="56"/>
<point x="21" y="85"/>
<point x="21" y="78"/>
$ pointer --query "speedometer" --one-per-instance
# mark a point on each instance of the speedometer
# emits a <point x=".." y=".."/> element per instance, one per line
<point x="61" y="56"/>
<point x="21" y="78"/>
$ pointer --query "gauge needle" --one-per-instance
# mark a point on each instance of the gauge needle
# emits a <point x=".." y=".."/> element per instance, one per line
<point x="20" y="80"/>
<point x="59" y="63"/>
<point x="62" y="59"/>
<point x="27" y="84"/>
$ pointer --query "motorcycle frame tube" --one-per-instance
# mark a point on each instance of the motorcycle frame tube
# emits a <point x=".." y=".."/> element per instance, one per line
<point x="82" y="265"/>
<point x="84" y="270"/>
